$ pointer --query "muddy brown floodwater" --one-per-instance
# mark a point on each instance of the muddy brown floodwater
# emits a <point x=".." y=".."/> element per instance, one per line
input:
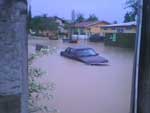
<point x="88" y="89"/>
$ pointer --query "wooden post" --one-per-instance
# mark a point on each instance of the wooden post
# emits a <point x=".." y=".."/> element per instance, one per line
<point x="13" y="57"/>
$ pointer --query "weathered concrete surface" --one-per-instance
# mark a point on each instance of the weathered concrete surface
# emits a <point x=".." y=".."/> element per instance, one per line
<point x="9" y="104"/>
<point x="144" y="70"/>
<point x="13" y="56"/>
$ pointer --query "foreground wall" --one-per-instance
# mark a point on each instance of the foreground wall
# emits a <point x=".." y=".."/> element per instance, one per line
<point x="144" y="67"/>
<point x="140" y="101"/>
<point x="13" y="56"/>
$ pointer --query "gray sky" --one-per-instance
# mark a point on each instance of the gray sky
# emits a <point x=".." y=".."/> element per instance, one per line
<point x="109" y="10"/>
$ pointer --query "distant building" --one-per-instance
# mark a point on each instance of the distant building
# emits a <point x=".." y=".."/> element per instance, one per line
<point x="61" y="22"/>
<point x="122" y="35"/>
<point x="50" y="34"/>
<point x="62" y="31"/>
<point x="95" y="28"/>
<point x="84" y="30"/>
<point x="129" y="27"/>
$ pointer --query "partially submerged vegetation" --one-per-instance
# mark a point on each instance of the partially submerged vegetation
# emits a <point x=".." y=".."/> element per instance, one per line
<point x="39" y="91"/>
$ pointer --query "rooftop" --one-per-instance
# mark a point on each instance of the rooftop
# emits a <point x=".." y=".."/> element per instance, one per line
<point x="88" y="24"/>
<point x="122" y="24"/>
<point x="80" y="47"/>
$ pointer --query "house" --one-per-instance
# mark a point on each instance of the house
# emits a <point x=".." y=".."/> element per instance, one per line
<point x="63" y="33"/>
<point x="56" y="29"/>
<point x="50" y="34"/>
<point x="84" y="30"/>
<point x="60" y="22"/>
<point x="122" y="35"/>
<point x="95" y="28"/>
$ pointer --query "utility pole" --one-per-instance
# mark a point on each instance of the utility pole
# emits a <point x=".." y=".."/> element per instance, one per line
<point x="141" y="80"/>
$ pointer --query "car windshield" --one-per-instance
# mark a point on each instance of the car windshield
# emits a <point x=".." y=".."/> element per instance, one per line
<point x="86" y="52"/>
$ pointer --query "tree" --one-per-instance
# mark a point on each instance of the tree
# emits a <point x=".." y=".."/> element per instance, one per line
<point x="43" y="23"/>
<point x="37" y="90"/>
<point x="132" y="13"/>
<point x="115" y="22"/>
<point x="128" y="17"/>
<point x="92" y="17"/>
<point x="73" y="16"/>
<point x="80" y="18"/>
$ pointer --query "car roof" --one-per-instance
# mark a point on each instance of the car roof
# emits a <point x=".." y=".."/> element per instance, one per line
<point x="80" y="48"/>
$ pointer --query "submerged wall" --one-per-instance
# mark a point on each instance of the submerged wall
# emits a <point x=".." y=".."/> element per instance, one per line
<point x="120" y="40"/>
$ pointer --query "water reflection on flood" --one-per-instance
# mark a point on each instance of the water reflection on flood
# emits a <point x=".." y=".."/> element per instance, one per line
<point x="88" y="89"/>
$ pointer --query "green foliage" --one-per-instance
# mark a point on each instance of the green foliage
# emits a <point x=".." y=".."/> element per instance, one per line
<point x="73" y="16"/>
<point x="92" y="18"/>
<point x="80" y="18"/>
<point x="39" y="91"/>
<point x="132" y="13"/>
<point x="115" y="22"/>
<point x="75" y="31"/>
<point x="43" y="23"/>
<point x="67" y="26"/>
<point x="129" y="17"/>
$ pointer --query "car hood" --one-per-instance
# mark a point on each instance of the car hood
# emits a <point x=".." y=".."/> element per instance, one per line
<point x="94" y="60"/>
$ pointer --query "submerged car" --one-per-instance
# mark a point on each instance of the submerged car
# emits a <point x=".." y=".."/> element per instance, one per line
<point x="74" y="41"/>
<point x="96" y="38"/>
<point x="85" y="55"/>
<point x="70" y="40"/>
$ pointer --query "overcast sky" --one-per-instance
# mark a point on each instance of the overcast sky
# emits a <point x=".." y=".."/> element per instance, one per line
<point x="108" y="10"/>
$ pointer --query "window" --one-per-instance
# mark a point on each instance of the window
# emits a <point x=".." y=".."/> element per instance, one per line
<point x="128" y="28"/>
<point x="75" y="32"/>
<point x="82" y="32"/>
<point x="113" y="28"/>
<point x="120" y="30"/>
<point x="105" y="28"/>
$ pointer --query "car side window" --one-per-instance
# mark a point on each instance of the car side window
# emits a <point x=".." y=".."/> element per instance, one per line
<point x="68" y="50"/>
<point x="72" y="51"/>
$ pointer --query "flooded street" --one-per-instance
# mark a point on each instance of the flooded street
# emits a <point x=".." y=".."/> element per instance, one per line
<point x="81" y="88"/>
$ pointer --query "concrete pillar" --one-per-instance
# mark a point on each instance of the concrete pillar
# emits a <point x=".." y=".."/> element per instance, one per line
<point x="13" y="56"/>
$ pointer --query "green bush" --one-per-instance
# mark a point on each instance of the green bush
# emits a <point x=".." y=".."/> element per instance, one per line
<point x="39" y="91"/>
